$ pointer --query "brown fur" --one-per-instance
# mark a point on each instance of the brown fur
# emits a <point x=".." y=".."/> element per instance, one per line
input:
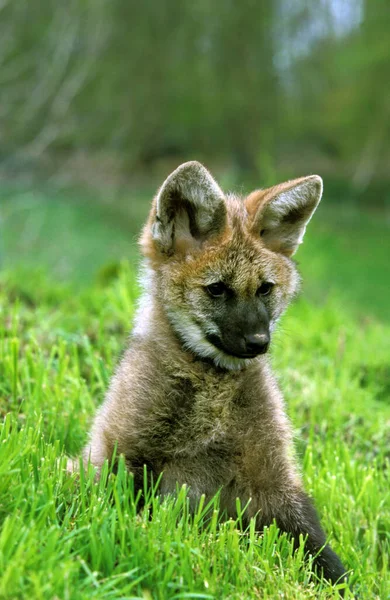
<point x="179" y="405"/>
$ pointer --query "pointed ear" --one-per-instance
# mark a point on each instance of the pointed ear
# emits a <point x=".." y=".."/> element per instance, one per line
<point x="280" y="214"/>
<point x="188" y="209"/>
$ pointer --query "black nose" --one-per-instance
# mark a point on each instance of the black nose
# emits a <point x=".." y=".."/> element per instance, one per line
<point x="257" y="343"/>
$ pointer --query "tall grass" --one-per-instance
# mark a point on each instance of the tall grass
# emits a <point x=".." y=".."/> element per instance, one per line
<point x="72" y="537"/>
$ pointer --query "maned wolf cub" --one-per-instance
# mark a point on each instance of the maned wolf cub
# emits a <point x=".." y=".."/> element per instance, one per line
<point x="194" y="397"/>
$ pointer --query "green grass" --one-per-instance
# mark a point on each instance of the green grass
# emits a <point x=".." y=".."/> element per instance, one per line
<point x="68" y="537"/>
<point x="69" y="237"/>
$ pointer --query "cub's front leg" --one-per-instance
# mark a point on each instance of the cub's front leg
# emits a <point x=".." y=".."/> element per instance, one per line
<point x="295" y="514"/>
<point x="108" y="442"/>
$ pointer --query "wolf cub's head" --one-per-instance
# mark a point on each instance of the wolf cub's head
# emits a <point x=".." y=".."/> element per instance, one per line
<point x="221" y="263"/>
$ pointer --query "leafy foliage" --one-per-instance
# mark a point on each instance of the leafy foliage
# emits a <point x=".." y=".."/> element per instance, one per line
<point x="255" y="85"/>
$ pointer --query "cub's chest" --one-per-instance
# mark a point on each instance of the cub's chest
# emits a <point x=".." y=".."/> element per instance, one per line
<point x="204" y="414"/>
<point x="213" y="415"/>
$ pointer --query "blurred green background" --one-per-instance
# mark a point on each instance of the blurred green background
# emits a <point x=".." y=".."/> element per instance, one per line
<point x="101" y="99"/>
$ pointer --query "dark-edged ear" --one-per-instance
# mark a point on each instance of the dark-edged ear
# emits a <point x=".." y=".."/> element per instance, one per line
<point x="280" y="214"/>
<point x="188" y="209"/>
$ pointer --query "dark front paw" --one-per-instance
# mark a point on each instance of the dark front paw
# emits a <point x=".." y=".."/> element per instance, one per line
<point x="330" y="566"/>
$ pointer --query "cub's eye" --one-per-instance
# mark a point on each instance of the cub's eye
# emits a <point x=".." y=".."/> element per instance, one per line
<point x="265" y="289"/>
<point x="216" y="289"/>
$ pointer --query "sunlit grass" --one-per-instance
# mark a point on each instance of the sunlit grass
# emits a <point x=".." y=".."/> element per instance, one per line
<point x="71" y="537"/>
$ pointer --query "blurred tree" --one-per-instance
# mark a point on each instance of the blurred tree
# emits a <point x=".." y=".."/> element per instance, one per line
<point x="252" y="84"/>
<point x="340" y="90"/>
<point x="245" y="82"/>
<point x="48" y="53"/>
